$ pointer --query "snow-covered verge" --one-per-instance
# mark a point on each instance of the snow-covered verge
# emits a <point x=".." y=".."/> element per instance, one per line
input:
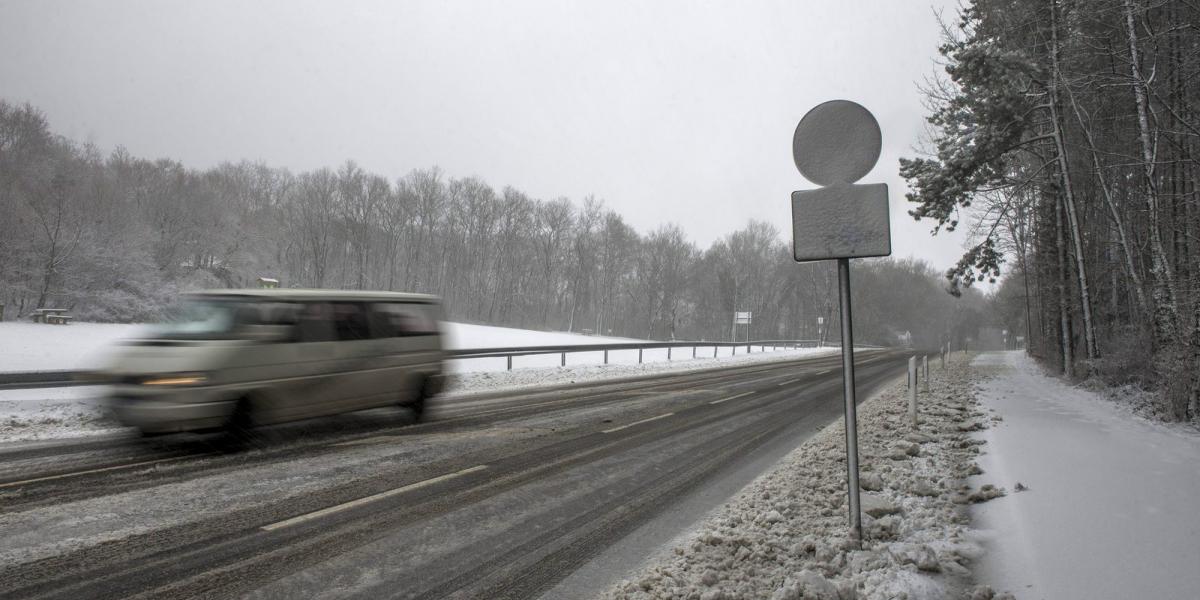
<point x="41" y="347"/>
<point x="1135" y="400"/>
<point x="784" y="536"/>
<point x="1108" y="502"/>
<point x="52" y="413"/>
<point x="483" y="381"/>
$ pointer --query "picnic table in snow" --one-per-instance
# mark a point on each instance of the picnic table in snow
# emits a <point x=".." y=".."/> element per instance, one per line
<point x="53" y="316"/>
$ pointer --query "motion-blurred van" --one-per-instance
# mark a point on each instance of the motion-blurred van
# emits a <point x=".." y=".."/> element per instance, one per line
<point x="234" y="359"/>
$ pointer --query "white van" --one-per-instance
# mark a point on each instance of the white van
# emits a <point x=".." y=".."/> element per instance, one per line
<point x="234" y="359"/>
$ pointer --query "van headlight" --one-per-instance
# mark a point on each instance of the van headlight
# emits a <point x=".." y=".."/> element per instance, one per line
<point x="176" y="379"/>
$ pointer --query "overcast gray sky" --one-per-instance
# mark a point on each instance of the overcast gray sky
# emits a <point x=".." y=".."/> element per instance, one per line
<point x="668" y="111"/>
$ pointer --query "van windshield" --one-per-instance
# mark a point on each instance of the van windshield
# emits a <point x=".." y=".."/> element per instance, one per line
<point x="226" y="319"/>
<point x="204" y="319"/>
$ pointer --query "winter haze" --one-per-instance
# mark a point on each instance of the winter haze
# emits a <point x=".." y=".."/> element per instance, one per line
<point x="668" y="111"/>
<point x="499" y="300"/>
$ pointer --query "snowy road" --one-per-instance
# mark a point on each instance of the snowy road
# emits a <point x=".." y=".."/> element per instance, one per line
<point x="494" y="496"/>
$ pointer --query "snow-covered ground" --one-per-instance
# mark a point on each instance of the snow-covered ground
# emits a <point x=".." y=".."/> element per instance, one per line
<point x="39" y="347"/>
<point x="1111" y="509"/>
<point x="482" y="381"/>
<point x="784" y="536"/>
<point x="70" y="412"/>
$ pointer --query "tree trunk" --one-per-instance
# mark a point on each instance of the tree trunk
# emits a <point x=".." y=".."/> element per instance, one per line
<point x="1114" y="213"/>
<point x="1085" y="301"/>
<point x="1166" y="313"/>
<point x="1064" y="315"/>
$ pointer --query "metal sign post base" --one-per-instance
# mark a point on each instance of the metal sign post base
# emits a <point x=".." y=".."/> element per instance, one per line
<point x="843" y="265"/>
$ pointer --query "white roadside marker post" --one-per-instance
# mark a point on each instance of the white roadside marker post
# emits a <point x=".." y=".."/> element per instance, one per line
<point x="912" y="390"/>
<point x="835" y="145"/>
<point x="925" y="373"/>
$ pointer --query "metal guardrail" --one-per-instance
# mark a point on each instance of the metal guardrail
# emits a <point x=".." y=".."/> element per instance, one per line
<point x="51" y="379"/>
<point x="39" y="379"/>
<point x="563" y="350"/>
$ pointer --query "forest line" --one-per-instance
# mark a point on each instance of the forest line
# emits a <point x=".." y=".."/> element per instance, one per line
<point x="115" y="238"/>
<point x="1065" y="136"/>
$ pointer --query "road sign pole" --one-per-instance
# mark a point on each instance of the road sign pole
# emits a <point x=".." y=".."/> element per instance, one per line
<point x="848" y="393"/>
<point x="835" y="145"/>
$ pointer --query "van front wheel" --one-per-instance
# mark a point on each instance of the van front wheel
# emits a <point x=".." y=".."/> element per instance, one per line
<point x="417" y="403"/>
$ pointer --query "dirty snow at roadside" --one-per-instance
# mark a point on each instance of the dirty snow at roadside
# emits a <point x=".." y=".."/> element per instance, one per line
<point x="784" y="536"/>
<point x="1110" y="505"/>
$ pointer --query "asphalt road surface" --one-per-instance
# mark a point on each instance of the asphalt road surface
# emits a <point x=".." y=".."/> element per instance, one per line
<point x="504" y="495"/>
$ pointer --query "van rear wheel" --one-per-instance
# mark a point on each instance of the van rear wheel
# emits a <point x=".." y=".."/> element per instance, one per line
<point x="417" y="407"/>
<point x="239" y="429"/>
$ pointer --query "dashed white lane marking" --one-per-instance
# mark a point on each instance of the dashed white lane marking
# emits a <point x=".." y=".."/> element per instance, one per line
<point x="637" y="423"/>
<point x="731" y="398"/>
<point x="783" y="383"/>
<point x="100" y="470"/>
<point x="368" y="499"/>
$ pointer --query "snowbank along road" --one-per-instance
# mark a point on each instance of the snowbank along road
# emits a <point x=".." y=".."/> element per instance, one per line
<point x="494" y="496"/>
<point x="784" y="536"/>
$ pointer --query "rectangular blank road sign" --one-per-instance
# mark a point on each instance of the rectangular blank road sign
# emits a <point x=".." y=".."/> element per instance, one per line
<point x="841" y="221"/>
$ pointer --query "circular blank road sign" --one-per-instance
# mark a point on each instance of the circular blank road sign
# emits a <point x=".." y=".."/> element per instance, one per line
<point x="836" y="142"/>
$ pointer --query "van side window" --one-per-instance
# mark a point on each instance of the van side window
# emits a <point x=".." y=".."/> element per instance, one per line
<point x="350" y="321"/>
<point x="272" y="321"/>
<point x="315" y="323"/>
<point x="403" y="320"/>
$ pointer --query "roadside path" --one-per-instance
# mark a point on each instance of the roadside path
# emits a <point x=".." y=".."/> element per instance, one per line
<point x="1111" y="507"/>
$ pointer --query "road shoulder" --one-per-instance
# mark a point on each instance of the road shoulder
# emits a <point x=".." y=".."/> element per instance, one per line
<point x="785" y="536"/>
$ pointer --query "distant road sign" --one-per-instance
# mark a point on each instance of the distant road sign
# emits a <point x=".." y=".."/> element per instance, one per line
<point x="741" y="318"/>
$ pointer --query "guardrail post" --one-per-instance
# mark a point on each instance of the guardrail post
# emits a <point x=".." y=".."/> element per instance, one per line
<point x="912" y="390"/>
<point x="606" y="357"/>
<point x="668" y="354"/>
<point x="564" y="359"/>
<point x="714" y="351"/>
<point x="693" y="352"/>
<point x="509" y="362"/>
<point x="925" y="373"/>
<point x="639" y="356"/>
